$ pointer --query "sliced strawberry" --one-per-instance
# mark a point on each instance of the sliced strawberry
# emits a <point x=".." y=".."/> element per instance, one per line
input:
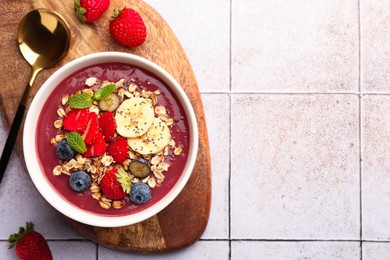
<point x="76" y="120"/>
<point x="110" y="186"/>
<point x="118" y="149"/>
<point x="91" y="129"/>
<point x="96" y="149"/>
<point x="107" y="125"/>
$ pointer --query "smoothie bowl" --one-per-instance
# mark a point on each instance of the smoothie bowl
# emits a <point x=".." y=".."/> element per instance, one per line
<point x="110" y="139"/>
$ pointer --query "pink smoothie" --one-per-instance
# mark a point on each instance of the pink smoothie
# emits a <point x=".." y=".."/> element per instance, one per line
<point x="111" y="72"/>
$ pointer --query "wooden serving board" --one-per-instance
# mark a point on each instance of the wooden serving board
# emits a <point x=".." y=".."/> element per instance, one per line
<point x="185" y="219"/>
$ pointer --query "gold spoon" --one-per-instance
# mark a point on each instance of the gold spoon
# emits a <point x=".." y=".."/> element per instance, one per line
<point x="43" y="37"/>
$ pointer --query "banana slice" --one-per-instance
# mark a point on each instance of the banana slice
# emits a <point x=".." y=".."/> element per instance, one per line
<point x="134" y="117"/>
<point x="155" y="139"/>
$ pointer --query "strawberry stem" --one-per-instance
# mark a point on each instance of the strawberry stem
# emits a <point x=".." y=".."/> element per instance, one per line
<point x="14" y="238"/>
<point x="80" y="11"/>
<point x="117" y="11"/>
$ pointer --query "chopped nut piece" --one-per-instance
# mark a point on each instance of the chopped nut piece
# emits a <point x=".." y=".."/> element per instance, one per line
<point x="94" y="188"/>
<point x="64" y="100"/>
<point x="95" y="109"/>
<point x="177" y="150"/>
<point x="105" y="199"/>
<point x="59" y="138"/>
<point x="155" y="160"/>
<point x="104" y="205"/>
<point x="133" y="87"/>
<point x="162" y="166"/>
<point x="91" y="81"/>
<point x="61" y="112"/>
<point x="87" y="90"/>
<point x="152" y="182"/>
<point x="160" y="110"/>
<point x="169" y="121"/>
<point x="57" y="170"/>
<point x="119" y="83"/>
<point x="158" y="175"/>
<point x="117" y="204"/>
<point x="107" y="160"/>
<point x="96" y="195"/>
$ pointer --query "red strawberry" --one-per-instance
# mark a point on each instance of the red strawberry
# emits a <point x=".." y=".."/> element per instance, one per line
<point x="29" y="244"/>
<point x="118" y="149"/>
<point x="76" y="120"/>
<point x="110" y="186"/>
<point x="89" y="11"/>
<point x="107" y="125"/>
<point x="91" y="129"/>
<point x="127" y="27"/>
<point x="96" y="149"/>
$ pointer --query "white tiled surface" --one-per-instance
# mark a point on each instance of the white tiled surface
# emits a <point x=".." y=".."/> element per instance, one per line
<point x="296" y="95"/>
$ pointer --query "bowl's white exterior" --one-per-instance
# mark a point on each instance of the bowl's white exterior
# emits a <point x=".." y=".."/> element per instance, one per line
<point x="30" y="153"/>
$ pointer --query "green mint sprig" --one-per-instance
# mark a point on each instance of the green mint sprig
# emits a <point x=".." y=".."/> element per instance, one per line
<point x="104" y="92"/>
<point x="80" y="101"/>
<point x="75" y="140"/>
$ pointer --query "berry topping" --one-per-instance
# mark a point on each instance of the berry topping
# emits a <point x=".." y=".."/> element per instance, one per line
<point x="80" y="181"/>
<point x="140" y="193"/>
<point x="118" y="149"/>
<point x="96" y="149"/>
<point x="91" y="130"/>
<point x="109" y="103"/>
<point x="64" y="151"/>
<point x="76" y="120"/>
<point x="89" y="11"/>
<point x="139" y="167"/>
<point x="30" y="244"/>
<point x="127" y="27"/>
<point x="111" y="187"/>
<point x="107" y="125"/>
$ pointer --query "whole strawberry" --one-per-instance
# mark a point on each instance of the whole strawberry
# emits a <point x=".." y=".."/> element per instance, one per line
<point x="127" y="27"/>
<point x="116" y="184"/>
<point x="89" y="11"/>
<point x="29" y="244"/>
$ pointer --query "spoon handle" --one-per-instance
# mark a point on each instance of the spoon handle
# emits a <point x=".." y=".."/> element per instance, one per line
<point x="11" y="139"/>
<point x="13" y="133"/>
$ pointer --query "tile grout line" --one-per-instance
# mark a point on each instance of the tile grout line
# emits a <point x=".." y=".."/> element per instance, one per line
<point x="360" y="129"/>
<point x="230" y="130"/>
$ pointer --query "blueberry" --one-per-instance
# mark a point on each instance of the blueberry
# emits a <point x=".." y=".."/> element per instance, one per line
<point x="64" y="151"/>
<point x="80" y="181"/>
<point x="140" y="193"/>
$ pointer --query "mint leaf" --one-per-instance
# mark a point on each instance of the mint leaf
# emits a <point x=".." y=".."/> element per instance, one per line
<point x="104" y="92"/>
<point x="83" y="100"/>
<point x="76" y="142"/>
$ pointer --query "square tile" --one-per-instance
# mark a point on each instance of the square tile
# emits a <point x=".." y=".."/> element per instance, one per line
<point x="376" y="167"/>
<point x="295" y="167"/>
<point x="295" y="46"/>
<point x="376" y="251"/>
<point x="201" y="250"/>
<point x="217" y="118"/>
<point x="203" y="29"/>
<point x="61" y="250"/>
<point x="295" y="250"/>
<point x="375" y="49"/>
<point x="65" y="250"/>
<point x="20" y="202"/>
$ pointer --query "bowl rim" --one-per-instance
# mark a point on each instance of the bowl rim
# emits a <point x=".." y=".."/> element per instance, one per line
<point x="29" y="147"/>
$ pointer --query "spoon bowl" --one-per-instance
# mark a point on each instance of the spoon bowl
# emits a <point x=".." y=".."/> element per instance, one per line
<point x="44" y="39"/>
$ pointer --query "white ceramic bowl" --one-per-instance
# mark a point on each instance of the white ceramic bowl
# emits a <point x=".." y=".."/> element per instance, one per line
<point x="30" y="138"/>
